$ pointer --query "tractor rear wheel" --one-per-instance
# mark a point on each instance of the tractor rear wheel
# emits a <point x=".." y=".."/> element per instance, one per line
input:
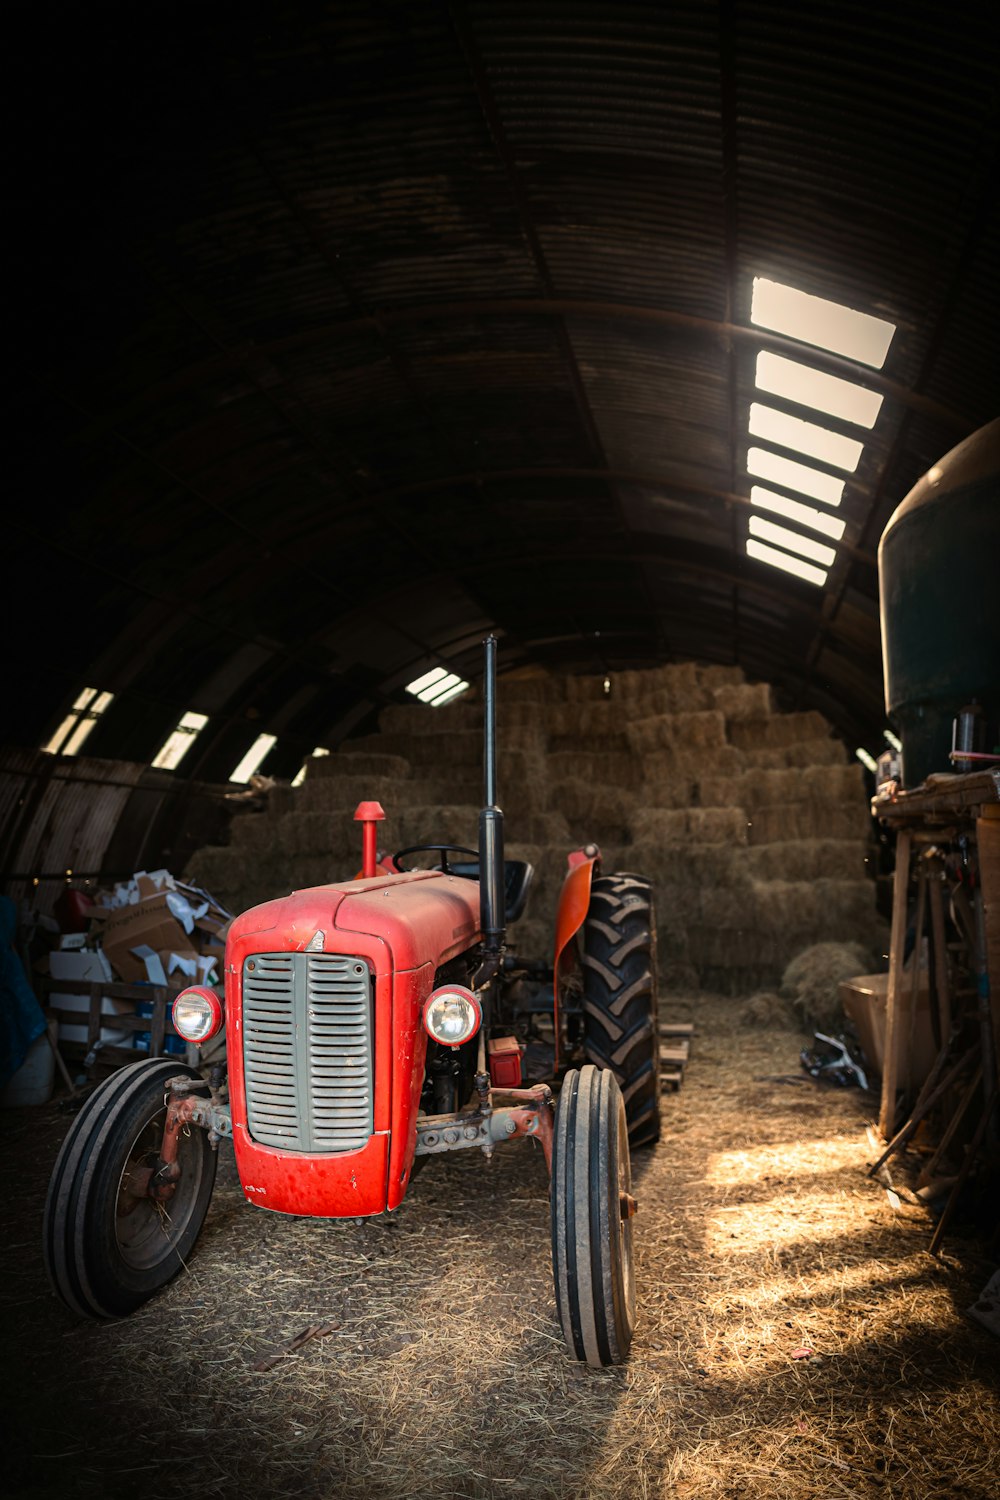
<point x="108" y="1246"/>
<point x="592" y="1211"/>
<point x="620" y="996"/>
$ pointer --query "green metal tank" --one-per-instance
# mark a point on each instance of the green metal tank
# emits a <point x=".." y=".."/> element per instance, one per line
<point x="939" y="585"/>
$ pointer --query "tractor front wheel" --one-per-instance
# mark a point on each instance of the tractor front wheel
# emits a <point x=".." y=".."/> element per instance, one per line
<point x="109" y="1245"/>
<point x="620" y="996"/>
<point x="592" y="1210"/>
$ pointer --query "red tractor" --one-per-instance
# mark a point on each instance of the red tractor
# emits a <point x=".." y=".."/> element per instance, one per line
<point x="370" y="1024"/>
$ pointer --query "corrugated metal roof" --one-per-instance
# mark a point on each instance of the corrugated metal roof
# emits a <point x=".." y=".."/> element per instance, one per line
<point x="345" y="309"/>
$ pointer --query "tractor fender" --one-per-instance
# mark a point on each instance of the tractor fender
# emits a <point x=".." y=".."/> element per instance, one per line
<point x="574" y="903"/>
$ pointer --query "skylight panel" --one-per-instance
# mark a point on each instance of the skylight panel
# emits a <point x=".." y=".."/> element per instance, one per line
<point x="805" y="437"/>
<point x="777" y="559"/>
<point x="437" y="687"/>
<point x="795" y="476"/>
<point x="88" y="707"/>
<point x="782" y="537"/>
<point x="254" y="758"/>
<point x="808" y="387"/>
<point x="177" y="744"/>
<point x="815" y="320"/>
<point x="794" y="510"/>
<point x="300" y="775"/>
<point x="452" y="689"/>
<point x="417" y="686"/>
<point x="868" y="761"/>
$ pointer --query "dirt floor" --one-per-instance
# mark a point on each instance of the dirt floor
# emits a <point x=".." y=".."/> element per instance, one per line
<point x="442" y="1372"/>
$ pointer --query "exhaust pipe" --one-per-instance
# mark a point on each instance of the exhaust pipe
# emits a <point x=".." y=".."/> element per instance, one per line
<point x="492" y="893"/>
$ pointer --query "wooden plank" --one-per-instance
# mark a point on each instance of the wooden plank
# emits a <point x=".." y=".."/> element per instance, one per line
<point x="671" y="1056"/>
<point x="671" y="1080"/>
<point x="676" y="1028"/>
<point x="941" y="797"/>
<point x="900" y="891"/>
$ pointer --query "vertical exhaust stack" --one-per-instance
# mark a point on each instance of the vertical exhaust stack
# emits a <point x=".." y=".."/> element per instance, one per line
<point x="492" y="894"/>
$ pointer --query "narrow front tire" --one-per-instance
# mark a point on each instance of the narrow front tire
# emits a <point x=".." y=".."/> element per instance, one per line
<point x="592" y="1256"/>
<point x="108" y="1247"/>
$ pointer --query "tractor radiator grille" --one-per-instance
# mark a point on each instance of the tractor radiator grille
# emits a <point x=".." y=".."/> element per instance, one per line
<point x="307" y="1050"/>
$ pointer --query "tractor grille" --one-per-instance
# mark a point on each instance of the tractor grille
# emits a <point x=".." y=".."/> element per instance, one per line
<point x="307" y="1050"/>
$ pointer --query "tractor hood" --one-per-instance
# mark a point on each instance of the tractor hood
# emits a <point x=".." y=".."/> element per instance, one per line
<point x="423" y="917"/>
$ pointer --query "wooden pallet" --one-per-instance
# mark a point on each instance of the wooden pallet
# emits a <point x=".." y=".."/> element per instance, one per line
<point x="675" y="1049"/>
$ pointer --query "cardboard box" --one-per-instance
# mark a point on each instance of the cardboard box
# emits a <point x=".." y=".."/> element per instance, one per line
<point x="88" y="964"/>
<point x="148" y="924"/>
<point x="864" y="1002"/>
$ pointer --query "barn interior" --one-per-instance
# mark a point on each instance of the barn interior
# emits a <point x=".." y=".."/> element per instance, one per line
<point x="659" y="344"/>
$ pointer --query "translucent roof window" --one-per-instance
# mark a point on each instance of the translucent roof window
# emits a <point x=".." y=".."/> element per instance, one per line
<point x="795" y="476"/>
<point x="436" y="687"/>
<point x="300" y="775"/>
<point x="254" y="758"/>
<point x="88" y="706"/>
<point x="814" y="320"/>
<point x="805" y="437"/>
<point x="807" y="387"/>
<point x="794" y="510"/>
<point x="762" y="553"/>
<point x="782" y="537"/>
<point x="868" y="761"/>
<point x="177" y="744"/>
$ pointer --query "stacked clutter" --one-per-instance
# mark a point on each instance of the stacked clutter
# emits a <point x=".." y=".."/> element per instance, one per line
<point x="753" y="825"/>
<point x="152" y="929"/>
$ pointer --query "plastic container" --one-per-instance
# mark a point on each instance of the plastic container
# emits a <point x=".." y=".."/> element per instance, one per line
<point x="32" y="1083"/>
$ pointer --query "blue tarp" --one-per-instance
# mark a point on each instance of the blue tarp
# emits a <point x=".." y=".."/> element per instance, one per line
<point x="21" y="1018"/>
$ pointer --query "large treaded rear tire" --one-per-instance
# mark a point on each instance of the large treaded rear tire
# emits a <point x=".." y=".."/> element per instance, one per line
<point x="107" y="1251"/>
<point x="620" y="996"/>
<point x="591" y="1229"/>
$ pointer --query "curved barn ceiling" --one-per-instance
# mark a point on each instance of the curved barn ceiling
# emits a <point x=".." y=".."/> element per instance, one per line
<point x="355" y="330"/>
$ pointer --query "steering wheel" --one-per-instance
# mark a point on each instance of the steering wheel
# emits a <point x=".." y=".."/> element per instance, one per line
<point x="442" y="850"/>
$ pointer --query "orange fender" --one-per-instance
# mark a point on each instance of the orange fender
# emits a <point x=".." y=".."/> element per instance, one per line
<point x="574" y="903"/>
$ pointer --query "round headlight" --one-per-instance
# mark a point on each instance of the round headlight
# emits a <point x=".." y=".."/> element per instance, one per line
<point x="452" y="1015"/>
<point x="197" y="1014"/>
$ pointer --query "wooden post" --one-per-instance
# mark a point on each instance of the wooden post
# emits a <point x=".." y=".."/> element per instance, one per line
<point x="988" y="845"/>
<point x="158" y="1021"/>
<point x="900" y="886"/>
<point x="938" y="943"/>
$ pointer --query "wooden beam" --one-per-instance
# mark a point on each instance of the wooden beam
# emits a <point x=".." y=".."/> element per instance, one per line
<point x="900" y="884"/>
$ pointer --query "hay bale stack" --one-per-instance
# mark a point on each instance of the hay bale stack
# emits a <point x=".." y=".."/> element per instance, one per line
<point x="357" y="763"/>
<point x="620" y="769"/>
<point x="689" y="731"/>
<point x="776" y="731"/>
<point x="816" y="752"/>
<point x="744" y="700"/>
<point x="691" y="826"/>
<point x="339" y="796"/>
<point x="751" y="823"/>
<point x="808" y="820"/>
<point x="716" y="677"/>
<point x="805" y="859"/>
<point x="419" y="718"/>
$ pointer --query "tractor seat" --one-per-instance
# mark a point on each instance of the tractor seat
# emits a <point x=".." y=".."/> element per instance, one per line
<point x="517" y="878"/>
